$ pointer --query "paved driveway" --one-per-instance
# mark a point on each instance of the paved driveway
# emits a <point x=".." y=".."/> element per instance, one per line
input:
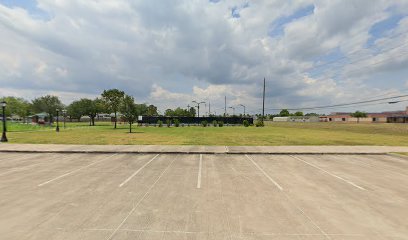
<point x="202" y="196"/>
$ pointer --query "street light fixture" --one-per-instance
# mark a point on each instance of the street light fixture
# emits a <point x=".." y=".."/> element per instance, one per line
<point x="3" y="136"/>
<point x="57" y="120"/>
<point x="233" y="111"/>
<point x="198" y="107"/>
<point x="64" y="111"/>
<point x="244" y="108"/>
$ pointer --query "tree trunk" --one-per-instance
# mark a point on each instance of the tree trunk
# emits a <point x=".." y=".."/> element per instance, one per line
<point x="130" y="127"/>
<point x="93" y="121"/>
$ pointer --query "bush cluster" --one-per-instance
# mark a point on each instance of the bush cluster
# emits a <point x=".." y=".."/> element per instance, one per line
<point x="245" y="123"/>
<point x="204" y="123"/>
<point x="220" y="124"/>
<point x="259" y="123"/>
<point x="160" y="123"/>
<point x="176" y="122"/>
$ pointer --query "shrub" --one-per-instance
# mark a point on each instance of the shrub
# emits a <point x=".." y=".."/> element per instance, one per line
<point x="168" y="122"/>
<point x="214" y="123"/>
<point x="176" y="122"/>
<point x="204" y="123"/>
<point x="220" y="123"/>
<point x="160" y="123"/>
<point x="259" y="123"/>
<point x="245" y="123"/>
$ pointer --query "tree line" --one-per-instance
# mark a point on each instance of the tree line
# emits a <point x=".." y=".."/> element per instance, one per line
<point x="110" y="101"/>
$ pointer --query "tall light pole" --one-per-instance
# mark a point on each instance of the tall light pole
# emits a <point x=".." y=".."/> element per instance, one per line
<point x="198" y="107"/>
<point x="243" y="107"/>
<point x="263" y="102"/>
<point x="233" y="111"/>
<point x="64" y="111"/>
<point x="57" y="129"/>
<point x="3" y="136"/>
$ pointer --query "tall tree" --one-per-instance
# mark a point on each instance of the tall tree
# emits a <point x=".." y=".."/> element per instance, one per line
<point x="75" y="110"/>
<point x="284" y="113"/>
<point x="359" y="115"/>
<point x="17" y="106"/>
<point x="91" y="108"/>
<point x="48" y="104"/>
<point x="192" y="112"/>
<point x="113" y="99"/>
<point x="299" y="114"/>
<point x="169" y="112"/>
<point x="152" y="110"/>
<point x="130" y="110"/>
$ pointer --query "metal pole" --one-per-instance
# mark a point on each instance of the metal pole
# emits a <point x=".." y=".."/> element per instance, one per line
<point x="65" y="116"/>
<point x="225" y="106"/>
<point x="3" y="136"/>
<point x="263" y="102"/>
<point x="57" y="121"/>
<point x="242" y="105"/>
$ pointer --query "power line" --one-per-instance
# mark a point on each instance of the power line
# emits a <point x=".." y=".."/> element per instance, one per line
<point x="339" y="105"/>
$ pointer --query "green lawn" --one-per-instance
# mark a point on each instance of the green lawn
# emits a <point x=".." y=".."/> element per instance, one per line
<point x="271" y="134"/>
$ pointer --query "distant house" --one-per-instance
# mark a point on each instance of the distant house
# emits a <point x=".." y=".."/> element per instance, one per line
<point x="296" y="119"/>
<point x="39" y="118"/>
<point x="381" y="117"/>
<point x="281" y="119"/>
<point x="398" y="119"/>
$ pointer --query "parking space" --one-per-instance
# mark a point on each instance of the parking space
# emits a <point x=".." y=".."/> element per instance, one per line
<point x="202" y="196"/>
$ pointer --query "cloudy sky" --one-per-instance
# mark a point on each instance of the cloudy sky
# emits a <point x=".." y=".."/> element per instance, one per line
<point x="169" y="53"/>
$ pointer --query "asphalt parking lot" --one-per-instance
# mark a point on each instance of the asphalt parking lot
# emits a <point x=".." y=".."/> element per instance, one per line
<point x="202" y="196"/>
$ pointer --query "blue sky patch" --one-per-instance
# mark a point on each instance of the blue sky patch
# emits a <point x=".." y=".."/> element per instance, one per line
<point x="29" y="5"/>
<point x="278" y="25"/>
<point x="379" y="29"/>
<point x="235" y="10"/>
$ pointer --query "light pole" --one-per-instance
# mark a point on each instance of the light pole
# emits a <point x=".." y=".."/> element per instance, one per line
<point x="57" y="120"/>
<point x="198" y="107"/>
<point x="243" y="107"/>
<point x="233" y="111"/>
<point x="64" y="111"/>
<point x="3" y="136"/>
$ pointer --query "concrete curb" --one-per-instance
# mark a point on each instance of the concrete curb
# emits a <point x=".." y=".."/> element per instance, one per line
<point x="189" y="149"/>
<point x="195" y="152"/>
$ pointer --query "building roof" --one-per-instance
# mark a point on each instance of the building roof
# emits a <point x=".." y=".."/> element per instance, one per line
<point x="43" y="114"/>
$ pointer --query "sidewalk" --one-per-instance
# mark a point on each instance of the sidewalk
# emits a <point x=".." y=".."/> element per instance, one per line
<point x="173" y="149"/>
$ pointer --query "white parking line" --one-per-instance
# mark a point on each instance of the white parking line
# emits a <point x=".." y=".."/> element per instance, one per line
<point x="331" y="174"/>
<point x="140" y="200"/>
<point x="76" y="170"/>
<point x="140" y="169"/>
<point x="264" y="173"/>
<point x="226" y="149"/>
<point x="199" y="171"/>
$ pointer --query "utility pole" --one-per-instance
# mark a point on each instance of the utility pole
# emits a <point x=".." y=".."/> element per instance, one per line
<point x="198" y="107"/>
<point x="225" y="107"/>
<point x="263" y="102"/>
<point x="242" y="105"/>
<point x="233" y="111"/>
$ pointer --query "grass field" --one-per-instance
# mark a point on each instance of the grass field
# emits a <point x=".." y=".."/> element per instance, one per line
<point x="271" y="134"/>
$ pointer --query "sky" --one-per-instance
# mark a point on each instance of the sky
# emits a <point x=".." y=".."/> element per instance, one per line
<point x="170" y="53"/>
